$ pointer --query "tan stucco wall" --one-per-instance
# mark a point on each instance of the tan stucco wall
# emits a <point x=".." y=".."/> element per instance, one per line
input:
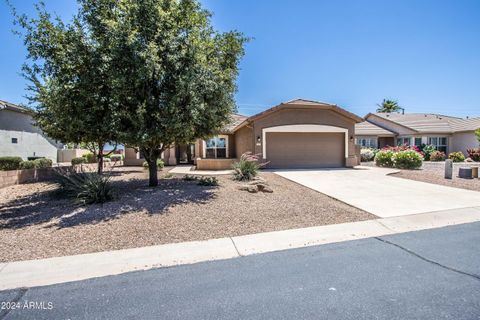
<point x="66" y="155"/>
<point x="244" y="141"/>
<point x="132" y="158"/>
<point x="292" y="116"/>
<point x="464" y="140"/>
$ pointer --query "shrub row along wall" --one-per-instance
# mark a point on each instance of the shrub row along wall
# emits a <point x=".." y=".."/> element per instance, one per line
<point x="12" y="177"/>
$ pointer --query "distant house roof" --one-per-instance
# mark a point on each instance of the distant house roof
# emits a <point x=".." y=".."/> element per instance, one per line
<point x="429" y="122"/>
<point x="4" y="105"/>
<point x="367" y="128"/>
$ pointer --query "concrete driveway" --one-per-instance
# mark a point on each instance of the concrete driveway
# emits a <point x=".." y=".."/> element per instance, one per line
<point x="372" y="190"/>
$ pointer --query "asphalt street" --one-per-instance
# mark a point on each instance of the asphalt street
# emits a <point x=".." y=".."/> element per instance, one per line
<point x="431" y="274"/>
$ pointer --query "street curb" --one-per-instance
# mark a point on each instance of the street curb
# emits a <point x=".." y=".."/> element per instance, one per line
<point x="49" y="271"/>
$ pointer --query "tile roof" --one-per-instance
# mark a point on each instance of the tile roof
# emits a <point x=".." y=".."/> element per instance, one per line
<point x="429" y="122"/>
<point x="308" y="103"/>
<point x="236" y="119"/>
<point x="367" y="128"/>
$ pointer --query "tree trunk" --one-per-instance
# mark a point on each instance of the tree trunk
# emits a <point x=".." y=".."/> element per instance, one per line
<point x="151" y="158"/>
<point x="152" y="173"/>
<point x="100" y="158"/>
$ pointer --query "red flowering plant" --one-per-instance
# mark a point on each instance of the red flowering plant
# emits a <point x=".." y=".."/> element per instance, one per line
<point x="402" y="157"/>
<point x="404" y="147"/>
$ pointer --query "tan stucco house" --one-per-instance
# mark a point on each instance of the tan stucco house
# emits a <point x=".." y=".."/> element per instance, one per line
<point x="447" y="133"/>
<point x="295" y="134"/>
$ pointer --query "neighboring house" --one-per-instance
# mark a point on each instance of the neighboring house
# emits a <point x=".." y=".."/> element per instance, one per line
<point x="295" y="134"/>
<point x="447" y="133"/>
<point x="19" y="137"/>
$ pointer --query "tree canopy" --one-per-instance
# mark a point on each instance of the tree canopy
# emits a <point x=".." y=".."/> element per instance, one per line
<point x="147" y="73"/>
<point x="477" y="133"/>
<point x="388" y="106"/>
<point x="70" y="80"/>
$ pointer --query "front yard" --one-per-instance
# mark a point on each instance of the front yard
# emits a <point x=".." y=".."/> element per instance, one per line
<point x="433" y="172"/>
<point x="36" y="223"/>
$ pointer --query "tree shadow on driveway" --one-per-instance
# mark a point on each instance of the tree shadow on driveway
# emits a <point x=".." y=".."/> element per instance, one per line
<point x="48" y="208"/>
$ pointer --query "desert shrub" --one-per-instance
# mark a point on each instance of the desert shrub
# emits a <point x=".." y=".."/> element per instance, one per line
<point x="428" y="150"/>
<point x="86" y="187"/>
<point x="160" y="165"/>
<point x="474" y="154"/>
<point x="10" y="163"/>
<point x="437" y="156"/>
<point x="78" y="160"/>
<point x="189" y="178"/>
<point x="208" y="181"/>
<point x="408" y="159"/>
<point x="29" y="164"/>
<point x="168" y="176"/>
<point x="367" y="154"/>
<point x="384" y="158"/>
<point x="107" y="160"/>
<point x="116" y="157"/>
<point x="456" y="156"/>
<point x="43" y="163"/>
<point x="90" y="158"/>
<point x="247" y="167"/>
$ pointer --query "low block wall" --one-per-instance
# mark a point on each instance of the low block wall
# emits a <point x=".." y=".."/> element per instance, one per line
<point x="12" y="177"/>
<point x="215" y="164"/>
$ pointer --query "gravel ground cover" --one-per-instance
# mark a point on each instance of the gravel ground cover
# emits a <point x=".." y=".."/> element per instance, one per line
<point x="433" y="172"/>
<point x="35" y="222"/>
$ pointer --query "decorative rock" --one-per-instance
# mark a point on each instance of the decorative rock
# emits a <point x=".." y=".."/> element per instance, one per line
<point x="465" y="173"/>
<point x="448" y="169"/>
<point x="267" y="189"/>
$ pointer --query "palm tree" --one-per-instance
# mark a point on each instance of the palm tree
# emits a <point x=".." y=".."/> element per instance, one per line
<point x="388" y="106"/>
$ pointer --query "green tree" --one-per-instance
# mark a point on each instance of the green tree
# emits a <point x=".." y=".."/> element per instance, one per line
<point x="69" y="70"/>
<point x="477" y="133"/>
<point x="174" y="75"/>
<point x="388" y="106"/>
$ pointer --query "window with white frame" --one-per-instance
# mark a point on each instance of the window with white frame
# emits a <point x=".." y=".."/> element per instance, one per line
<point x="418" y="142"/>
<point x="216" y="147"/>
<point x="367" y="142"/>
<point x="404" y="141"/>
<point x="439" y="142"/>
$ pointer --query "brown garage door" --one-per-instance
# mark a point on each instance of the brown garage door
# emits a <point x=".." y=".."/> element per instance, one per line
<point x="305" y="150"/>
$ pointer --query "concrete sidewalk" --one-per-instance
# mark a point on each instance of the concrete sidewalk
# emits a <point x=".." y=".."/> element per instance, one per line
<point x="72" y="268"/>
<point x="190" y="170"/>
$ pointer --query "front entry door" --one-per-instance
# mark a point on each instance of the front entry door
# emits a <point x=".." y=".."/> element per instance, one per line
<point x="185" y="153"/>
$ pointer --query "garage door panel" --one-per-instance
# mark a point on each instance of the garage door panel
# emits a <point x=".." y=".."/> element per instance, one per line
<point x="305" y="150"/>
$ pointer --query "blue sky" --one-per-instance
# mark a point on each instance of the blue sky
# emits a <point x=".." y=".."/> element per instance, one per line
<point x="423" y="53"/>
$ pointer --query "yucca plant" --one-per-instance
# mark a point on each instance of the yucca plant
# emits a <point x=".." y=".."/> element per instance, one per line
<point x="86" y="187"/>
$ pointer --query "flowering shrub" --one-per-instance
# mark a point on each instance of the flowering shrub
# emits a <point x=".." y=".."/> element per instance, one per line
<point x="456" y="156"/>
<point x="367" y="154"/>
<point x="437" y="156"/>
<point x="402" y="157"/>
<point x="408" y="159"/>
<point x="474" y="154"/>
<point x="384" y="158"/>
<point x="428" y="150"/>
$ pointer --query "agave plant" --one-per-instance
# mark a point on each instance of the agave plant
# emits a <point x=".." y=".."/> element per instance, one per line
<point x="86" y="187"/>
